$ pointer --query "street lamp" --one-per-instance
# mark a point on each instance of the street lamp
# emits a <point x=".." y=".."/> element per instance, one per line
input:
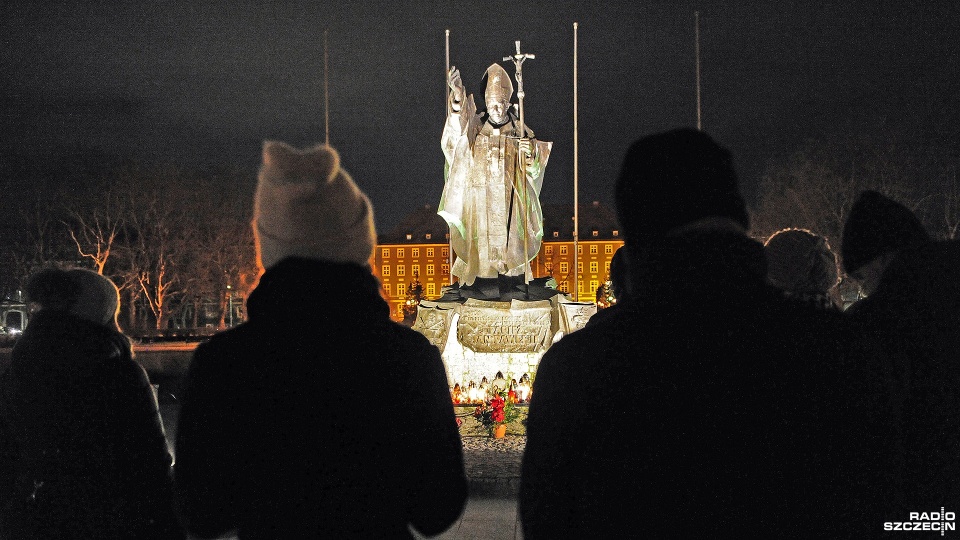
<point x="230" y="303"/>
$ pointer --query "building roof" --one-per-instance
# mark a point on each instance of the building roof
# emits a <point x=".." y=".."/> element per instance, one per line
<point x="415" y="226"/>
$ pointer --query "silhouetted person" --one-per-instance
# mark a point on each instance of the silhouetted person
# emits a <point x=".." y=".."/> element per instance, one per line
<point x="802" y="265"/>
<point x="723" y="410"/>
<point x="912" y="310"/>
<point x="82" y="447"/>
<point x="319" y="417"/>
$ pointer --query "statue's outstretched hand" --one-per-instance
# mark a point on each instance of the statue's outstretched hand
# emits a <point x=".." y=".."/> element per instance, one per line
<point x="456" y="84"/>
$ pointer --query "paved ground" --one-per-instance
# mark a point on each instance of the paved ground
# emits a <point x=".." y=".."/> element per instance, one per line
<point x="493" y="469"/>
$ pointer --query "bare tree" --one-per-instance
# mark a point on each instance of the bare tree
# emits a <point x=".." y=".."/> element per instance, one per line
<point x="816" y="187"/>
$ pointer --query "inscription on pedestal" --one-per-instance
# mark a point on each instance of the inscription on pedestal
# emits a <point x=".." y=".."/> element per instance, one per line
<point x="486" y="328"/>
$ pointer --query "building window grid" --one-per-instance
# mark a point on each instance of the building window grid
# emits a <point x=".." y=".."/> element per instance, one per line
<point x="415" y="269"/>
<point x="594" y="249"/>
<point x="385" y="253"/>
<point x="445" y="252"/>
<point x="401" y="253"/>
<point x="549" y="250"/>
<point x="608" y="249"/>
<point x="564" y="268"/>
<point x="594" y="267"/>
<point x="415" y="252"/>
<point x="385" y="270"/>
<point x="401" y="270"/>
<point x="430" y="268"/>
<point x="429" y="252"/>
<point x="431" y="289"/>
<point x="563" y="250"/>
<point x="401" y="289"/>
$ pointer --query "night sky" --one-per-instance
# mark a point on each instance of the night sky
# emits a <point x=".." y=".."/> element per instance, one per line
<point x="206" y="83"/>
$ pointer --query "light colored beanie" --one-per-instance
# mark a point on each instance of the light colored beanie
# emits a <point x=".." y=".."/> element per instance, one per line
<point x="800" y="262"/>
<point x="83" y="293"/>
<point x="307" y="206"/>
<point x="99" y="299"/>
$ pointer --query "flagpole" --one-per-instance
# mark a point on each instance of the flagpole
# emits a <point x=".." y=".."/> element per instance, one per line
<point x="446" y="104"/>
<point x="696" y="16"/>
<point x="326" y="91"/>
<point x="576" y="172"/>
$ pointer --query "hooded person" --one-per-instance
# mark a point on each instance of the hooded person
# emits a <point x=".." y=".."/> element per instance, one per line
<point x="277" y="435"/>
<point x="802" y="265"/>
<point x="912" y="310"/>
<point x="82" y="447"/>
<point x="876" y="230"/>
<point x="741" y="396"/>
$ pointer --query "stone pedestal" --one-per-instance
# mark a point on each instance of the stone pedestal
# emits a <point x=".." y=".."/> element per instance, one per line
<point x="478" y="338"/>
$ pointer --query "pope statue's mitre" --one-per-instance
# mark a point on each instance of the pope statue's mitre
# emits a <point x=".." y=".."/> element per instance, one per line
<point x="498" y="82"/>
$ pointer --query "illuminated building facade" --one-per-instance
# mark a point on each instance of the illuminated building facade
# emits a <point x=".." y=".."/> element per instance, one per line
<point x="419" y="247"/>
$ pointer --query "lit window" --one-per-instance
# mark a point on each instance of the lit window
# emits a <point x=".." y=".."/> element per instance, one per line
<point x="564" y="268"/>
<point x="386" y="288"/>
<point x="428" y="236"/>
<point x="606" y="267"/>
<point x="580" y="287"/>
<point x="549" y="250"/>
<point x="401" y="289"/>
<point x="616" y="233"/>
<point x="565" y="286"/>
<point x="401" y="270"/>
<point x="409" y="236"/>
<point x="415" y="252"/>
<point x="594" y="267"/>
<point x="401" y="253"/>
<point x="385" y="253"/>
<point x="595" y="233"/>
<point x="416" y="269"/>
<point x="608" y="249"/>
<point x="594" y="249"/>
<point x="579" y="250"/>
<point x="431" y="289"/>
<point x="593" y="286"/>
<point x="549" y="267"/>
<point x="430" y="269"/>
<point x="445" y="269"/>
<point x="445" y="252"/>
<point x="563" y="250"/>
<point x="385" y="270"/>
<point x="429" y="252"/>
<point x="556" y="234"/>
<point x="579" y="267"/>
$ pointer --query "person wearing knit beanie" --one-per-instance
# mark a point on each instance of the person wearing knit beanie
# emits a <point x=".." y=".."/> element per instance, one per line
<point x="82" y="293"/>
<point x="675" y="178"/>
<point x="802" y="265"/>
<point x="876" y="229"/>
<point x="306" y="205"/>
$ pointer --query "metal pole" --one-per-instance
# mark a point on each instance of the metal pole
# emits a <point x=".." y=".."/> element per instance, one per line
<point x="576" y="172"/>
<point x="445" y="107"/>
<point x="696" y="16"/>
<point x="326" y="91"/>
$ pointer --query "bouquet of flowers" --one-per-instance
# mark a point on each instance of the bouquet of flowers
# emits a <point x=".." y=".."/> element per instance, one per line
<point x="497" y="411"/>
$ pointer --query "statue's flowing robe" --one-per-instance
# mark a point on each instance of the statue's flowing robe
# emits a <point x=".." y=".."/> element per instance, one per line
<point x="496" y="223"/>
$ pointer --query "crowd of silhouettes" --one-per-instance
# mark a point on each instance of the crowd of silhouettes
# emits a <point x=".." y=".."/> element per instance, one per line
<point x="738" y="396"/>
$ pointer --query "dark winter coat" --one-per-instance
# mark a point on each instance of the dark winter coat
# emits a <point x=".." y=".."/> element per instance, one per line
<point x="319" y="417"/>
<point x="914" y="314"/>
<point x="82" y="447"/>
<point x="711" y="407"/>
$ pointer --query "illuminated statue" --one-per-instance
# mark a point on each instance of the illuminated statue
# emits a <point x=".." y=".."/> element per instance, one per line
<point x="494" y="173"/>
